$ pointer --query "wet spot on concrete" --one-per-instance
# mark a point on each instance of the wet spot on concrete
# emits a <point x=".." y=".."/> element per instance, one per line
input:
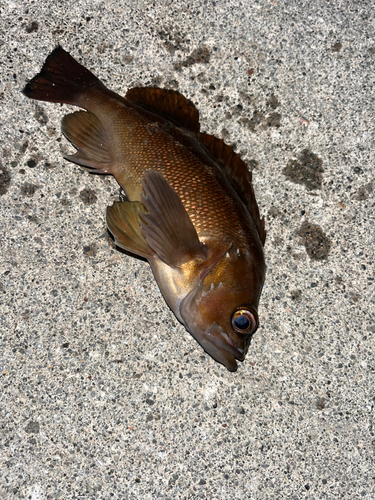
<point x="316" y="243"/>
<point x="273" y="102"/>
<point x="354" y="297"/>
<point x="336" y="47"/>
<point x="128" y="59"/>
<point x="4" y="180"/>
<point x="48" y="165"/>
<point x="32" y="428"/>
<point x="201" y="55"/>
<point x="246" y="98"/>
<point x="277" y="241"/>
<point x="307" y="170"/>
<point x="296" y="294"/>
<point x="171" y="84"/>
<point x="257" y="118"/>
<point x="88" y="196"/>
<point x="363" y="192"/>
<point x="65" y="202"/>
<point x="28" y="189"/>
<point x="22" y="147"/>
<point x="320" y="404"/>
<point x="90" y="250"/>
<point x="40" y="115"/>
<point x="32" y="27"/>
<point x="274" y="212"/>
<point x="172" y="39"/>
<point x="156" y="81"/>
<point x="273" y="120"/>
<point x="253" y="164"/>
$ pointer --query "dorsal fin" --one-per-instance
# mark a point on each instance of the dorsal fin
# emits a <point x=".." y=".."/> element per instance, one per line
<point x="167" y="103"/>
<point x="238" y="175"/>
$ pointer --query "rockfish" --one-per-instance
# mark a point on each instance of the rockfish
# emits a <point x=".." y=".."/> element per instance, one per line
<point x="189" y="205"/>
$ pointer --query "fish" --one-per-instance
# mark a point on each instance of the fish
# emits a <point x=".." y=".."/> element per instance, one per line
<point x="189" y="205"/>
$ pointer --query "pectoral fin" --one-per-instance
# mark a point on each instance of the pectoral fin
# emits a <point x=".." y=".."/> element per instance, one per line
<point x="167" y="226"/>
<point x="123" y="220"/>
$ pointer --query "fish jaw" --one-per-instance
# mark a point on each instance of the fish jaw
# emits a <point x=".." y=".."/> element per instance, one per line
<point x="219" y="341"/>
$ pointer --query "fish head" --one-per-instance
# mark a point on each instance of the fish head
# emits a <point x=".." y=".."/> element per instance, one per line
<point x="221" y="311"/>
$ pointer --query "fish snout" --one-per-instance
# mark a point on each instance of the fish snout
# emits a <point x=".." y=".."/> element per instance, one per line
<point x="222" y="340"/>
<point x="221" y="346"/>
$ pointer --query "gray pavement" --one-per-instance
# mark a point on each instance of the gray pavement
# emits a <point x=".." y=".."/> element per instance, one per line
<point x="104" y="394"/>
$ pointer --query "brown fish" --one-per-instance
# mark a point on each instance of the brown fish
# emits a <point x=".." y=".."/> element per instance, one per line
<point x="190" y="207"/>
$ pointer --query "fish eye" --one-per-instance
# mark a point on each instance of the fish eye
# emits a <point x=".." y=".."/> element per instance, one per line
<point x="244" y="321"/>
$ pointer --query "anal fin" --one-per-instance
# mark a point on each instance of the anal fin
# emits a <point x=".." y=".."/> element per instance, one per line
<point x="85" y="131"/>
<point x="123" y="221"/>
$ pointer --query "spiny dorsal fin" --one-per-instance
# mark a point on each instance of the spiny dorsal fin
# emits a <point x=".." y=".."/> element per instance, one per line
<point x="238" y="175"/>
<point x="167" y="103"/>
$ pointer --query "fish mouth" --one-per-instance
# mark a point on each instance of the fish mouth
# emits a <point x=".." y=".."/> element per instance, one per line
<point x="218" y="344"/>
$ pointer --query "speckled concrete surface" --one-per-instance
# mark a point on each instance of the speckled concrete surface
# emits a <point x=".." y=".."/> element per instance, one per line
<point x="104" y="394"/>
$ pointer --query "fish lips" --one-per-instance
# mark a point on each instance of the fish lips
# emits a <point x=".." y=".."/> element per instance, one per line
<point x="219" y="345"/>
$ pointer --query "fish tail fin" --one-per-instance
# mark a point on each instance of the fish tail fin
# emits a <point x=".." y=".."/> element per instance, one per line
<point x="62" y="79"/>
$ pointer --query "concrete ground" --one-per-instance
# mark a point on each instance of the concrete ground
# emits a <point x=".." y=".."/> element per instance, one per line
<point x="104" y="394"/>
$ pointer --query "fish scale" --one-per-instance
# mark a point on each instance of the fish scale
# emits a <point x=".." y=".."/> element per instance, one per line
<point x="205" y="206"/>
<point x="179" y="166"/>
<point x="190" y="207"/>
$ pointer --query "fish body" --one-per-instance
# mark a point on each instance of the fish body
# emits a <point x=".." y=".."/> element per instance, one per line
<point x="190" y="208"/>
